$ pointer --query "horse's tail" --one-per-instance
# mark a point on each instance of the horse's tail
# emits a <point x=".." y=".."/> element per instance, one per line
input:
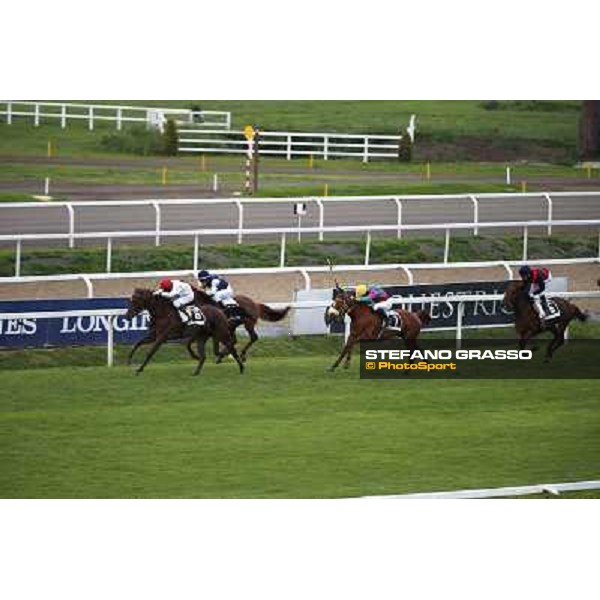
<point x="580" y="315"/>
<point x="272" y="314"/>
<point x="424" y="316"/>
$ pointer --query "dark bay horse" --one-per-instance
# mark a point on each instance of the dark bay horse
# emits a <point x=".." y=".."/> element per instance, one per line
<point x="527" y="321"/>
<point x="166" y="324"/>
<point x="367" y="325"/>
<point x="251" y="312"/>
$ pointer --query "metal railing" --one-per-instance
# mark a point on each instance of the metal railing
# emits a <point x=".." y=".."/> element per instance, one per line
<point x="284" y="232"/>
<point x="305" y="272"/>
<point x="398" y="201"/>
<point x="92" y="113"/>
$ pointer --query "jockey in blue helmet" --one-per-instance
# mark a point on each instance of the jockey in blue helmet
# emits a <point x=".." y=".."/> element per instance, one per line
<point x="221" y="292"/>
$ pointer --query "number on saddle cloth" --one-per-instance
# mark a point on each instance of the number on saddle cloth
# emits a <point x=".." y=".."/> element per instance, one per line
<point x="553" y="310"/>
<point x="197" y="317"/>
<point x="394" y="320"/>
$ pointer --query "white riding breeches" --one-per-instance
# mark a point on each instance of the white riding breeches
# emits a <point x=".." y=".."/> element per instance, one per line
<point x="183" y="299"/>
<point x="225" y="297"/>
<point x="385" y="305"/>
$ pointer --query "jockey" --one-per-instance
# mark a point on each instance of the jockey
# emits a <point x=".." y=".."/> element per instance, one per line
<point x="221" y="292"/>
<point x="535" y="280"/>
<point x="180" y="293"/>
<point x="379" y="299"/>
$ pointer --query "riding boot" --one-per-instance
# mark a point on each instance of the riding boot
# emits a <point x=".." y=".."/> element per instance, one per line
<point x="545" y="304"/>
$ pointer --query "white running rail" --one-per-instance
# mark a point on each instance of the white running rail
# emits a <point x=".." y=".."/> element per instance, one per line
<point x="119" y="114"/>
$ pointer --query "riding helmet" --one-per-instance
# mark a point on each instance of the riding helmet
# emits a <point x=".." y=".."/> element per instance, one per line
<point x="525" y="271"/>
<point x="166" y="285"/>
<point x="203" y="275"/>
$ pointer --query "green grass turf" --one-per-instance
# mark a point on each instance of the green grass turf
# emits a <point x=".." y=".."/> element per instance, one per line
<point x="286" y="428"/>
<point x="551" y="124"/>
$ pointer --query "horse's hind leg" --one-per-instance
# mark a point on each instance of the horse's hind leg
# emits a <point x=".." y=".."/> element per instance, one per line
<point x="201" y="346"/>
<point x="249" y="325"/>
<point x="347" y="348"/>
<point x="556" y="342"/>
<point x="234" y="353"/>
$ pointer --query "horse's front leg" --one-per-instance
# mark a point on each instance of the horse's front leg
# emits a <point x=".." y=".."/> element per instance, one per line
<point x="346" y="349"/>
<point x="146" y="340"/>
<point x="157" y="344"/>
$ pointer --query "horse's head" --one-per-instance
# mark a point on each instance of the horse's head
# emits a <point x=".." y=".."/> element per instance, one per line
<point x="511" y="295"/>
<point x="140" y="300"/>
<point x="341" y="303"/>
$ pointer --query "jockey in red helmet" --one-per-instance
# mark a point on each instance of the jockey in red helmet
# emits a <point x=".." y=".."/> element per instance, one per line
<point x="180" y="293"/>
<point x="535" y="279"/>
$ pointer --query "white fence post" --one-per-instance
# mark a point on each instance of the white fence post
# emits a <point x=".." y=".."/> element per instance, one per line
<point x="459" y="321"/>
<point x="36" y="118"/>
<point x="366" y="150"/>
<point x="71" y="212"/>
<point x="326" y="147"/>
<point x="157" y="223"/>
<point x="195" y="263"/>
<point x="447" y="246"/>
<point x="9" y="113"/>
<point x="399" y="220"/>
<point x="282" y="251"/>
<point x="525" y="236"/>
<point x="475" y="215"/>
<point x="550" y="207"/>
<point x="89" y="286"/>
<point x="91" y="118"/>
<point x="240" y="207"/>
<point x="63" y="115"/>
<point x="368" y="248"/>
<point x="110" y="343"/>
<point x="108" y="254"/>
<point x="18" y="259"/>
<point x="507" y="175"/>
<point x="119" y="119"/>
<point x="215" y="183"/>
<point x="289" y="147"/>
<point x="321" y="217"/>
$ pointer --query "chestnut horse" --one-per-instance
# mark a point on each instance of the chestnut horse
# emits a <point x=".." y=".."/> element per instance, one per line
<point x="251" y="312"/>
<point x="367" y="325"/>
<point x="166" y="324"/>
<point x="528" y="323"/>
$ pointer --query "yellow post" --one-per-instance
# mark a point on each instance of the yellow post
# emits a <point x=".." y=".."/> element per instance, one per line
<point x="326" y="190"/>
<point x="523" y="187"/>
<point x="49" y="149"/>
<point x="428" y="171"/>
<point x="164" y="176"/>
<point x="311" y="161"/>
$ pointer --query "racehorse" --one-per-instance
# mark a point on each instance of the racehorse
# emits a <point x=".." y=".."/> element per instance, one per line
<point x="251" y="312"/>
<point x="367" y="325"/>
<point x="166" y="324"/>
<point x="528" y="323"/>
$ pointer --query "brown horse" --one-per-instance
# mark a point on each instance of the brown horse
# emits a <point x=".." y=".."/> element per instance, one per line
<point x="251" y="312"/>
<point x="166" y="324"/>
<point x="528" y="323"/>
<point x="367" y="325"/>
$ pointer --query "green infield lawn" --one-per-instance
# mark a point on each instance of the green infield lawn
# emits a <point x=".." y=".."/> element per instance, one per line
<point x="286" y="428"/>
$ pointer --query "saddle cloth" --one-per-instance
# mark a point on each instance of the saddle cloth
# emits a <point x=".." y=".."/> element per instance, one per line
<point x="553" y="310"/>
<point x="197" y="317"/>
<point x="395" y="320"/>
